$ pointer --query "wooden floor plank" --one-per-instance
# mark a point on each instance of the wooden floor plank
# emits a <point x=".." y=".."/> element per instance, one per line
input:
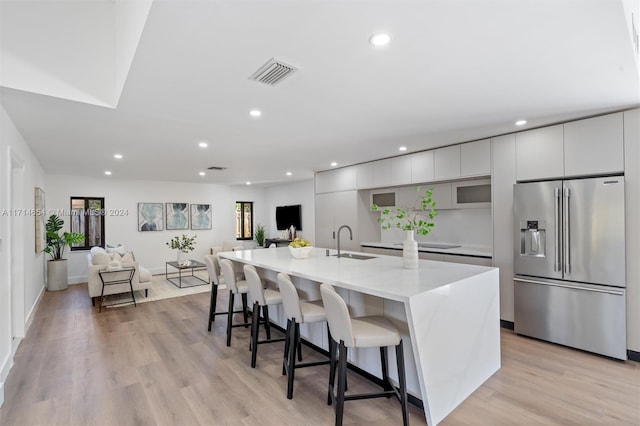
<point x="157" y="364"/>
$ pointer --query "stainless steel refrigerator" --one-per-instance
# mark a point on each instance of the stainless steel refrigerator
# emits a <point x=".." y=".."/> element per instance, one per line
<point x="569" y="263"/>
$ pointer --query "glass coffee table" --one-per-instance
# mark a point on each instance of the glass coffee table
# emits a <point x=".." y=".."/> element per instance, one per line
<point x="181" y="278"/>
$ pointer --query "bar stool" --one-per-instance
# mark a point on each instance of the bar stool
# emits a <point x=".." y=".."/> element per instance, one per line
<point x="297" y="313"/>
<point x="363" y="332"/>
<point x="235" y="287"/>
<point x="215" y="279"/>
<point x="262" y="298"/>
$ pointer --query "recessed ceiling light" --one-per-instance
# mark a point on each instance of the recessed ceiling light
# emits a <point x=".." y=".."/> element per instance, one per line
<point x="521" y="122"/>
<point x="248" y="183"/>
<point x="288" y="173"/>
<point x="203" y="144"/>
<point x="333" y="164"/>
<point x="402" y="148"/>
<point x="117" y="156"/>
<point x="202" y="173"/>
<point x="108" y="173"/>
<point x="380" y="39"/>
<point x="255" y="113"/>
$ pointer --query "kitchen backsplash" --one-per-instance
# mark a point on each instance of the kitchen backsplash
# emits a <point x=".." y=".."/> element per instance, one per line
<point x="470" y="227"/>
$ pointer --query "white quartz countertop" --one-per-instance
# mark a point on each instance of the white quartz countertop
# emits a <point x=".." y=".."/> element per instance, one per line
<point x="462" y="250"/>
<point x="381" y="275"/>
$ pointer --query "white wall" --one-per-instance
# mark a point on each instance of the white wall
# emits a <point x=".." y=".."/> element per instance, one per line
<point x="286" y="195"/>
<point x="30" y="283"/>
<point x="149" y="247"/>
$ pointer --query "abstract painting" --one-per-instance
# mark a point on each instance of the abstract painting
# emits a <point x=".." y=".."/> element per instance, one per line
<point x="177" y="216"/>
<point x="200" y="216"/>
<point x="150" y="217"/>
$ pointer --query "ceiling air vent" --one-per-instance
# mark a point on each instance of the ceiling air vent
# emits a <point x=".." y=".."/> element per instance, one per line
<point x="273" y="72"/>
<point x="216" y="168"/>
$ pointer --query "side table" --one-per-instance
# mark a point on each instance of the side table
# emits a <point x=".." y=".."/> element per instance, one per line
<point x="114" y="277"/>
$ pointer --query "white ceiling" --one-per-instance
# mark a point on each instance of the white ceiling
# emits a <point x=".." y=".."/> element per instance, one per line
<point x="455" y="71"/>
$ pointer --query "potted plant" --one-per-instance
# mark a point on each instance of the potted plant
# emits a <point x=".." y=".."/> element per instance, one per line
<point x="56" y="244"/>
<point x="183" y="244"/>
<point x="259" y="234"/>
<point x="417" y="218"/>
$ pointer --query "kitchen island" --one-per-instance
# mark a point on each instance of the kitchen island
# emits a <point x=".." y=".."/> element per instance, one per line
<point x="447" y="313"/>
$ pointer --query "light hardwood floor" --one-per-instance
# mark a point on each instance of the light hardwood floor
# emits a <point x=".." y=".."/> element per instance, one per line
<point x="157" y="364"/>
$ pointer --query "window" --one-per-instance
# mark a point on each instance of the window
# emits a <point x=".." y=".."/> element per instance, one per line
<point x="244" y="220"/>
<point x="87" y="218"/>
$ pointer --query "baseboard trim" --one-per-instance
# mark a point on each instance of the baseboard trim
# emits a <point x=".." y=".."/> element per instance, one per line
<point x="30" y="315"/>
<point x="633" y="355"/>
<point x="413" y="400"/>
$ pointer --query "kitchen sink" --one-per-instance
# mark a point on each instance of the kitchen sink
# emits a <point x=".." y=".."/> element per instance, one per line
<point x="355" y="256"/>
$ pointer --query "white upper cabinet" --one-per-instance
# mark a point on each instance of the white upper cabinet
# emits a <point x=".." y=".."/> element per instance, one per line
<point x="401" y="170"/>
<point x="382" y="173"/>
<point x="422" y="167"/>
<point x="594" y="146"/>
<point x="539" y="153"/>
<point x="475" y="158"/>
<point x="343" y="179"/>
<point x="447" y="162"/>
<point x="364" y="175"/>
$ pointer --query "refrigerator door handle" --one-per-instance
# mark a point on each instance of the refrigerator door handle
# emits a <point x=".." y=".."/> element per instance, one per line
<point x="574" y="287"/>
<point x="558" y="198"/>
<point x="566" y="229"/>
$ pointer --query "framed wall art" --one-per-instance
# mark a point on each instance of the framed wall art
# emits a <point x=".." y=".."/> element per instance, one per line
<point x="177" y="216"/>
<point x="200" y="216"/>
<point x="150" y="217"/>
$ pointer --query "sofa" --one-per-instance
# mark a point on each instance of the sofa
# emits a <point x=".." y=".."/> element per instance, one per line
<point x="98" y="259"/>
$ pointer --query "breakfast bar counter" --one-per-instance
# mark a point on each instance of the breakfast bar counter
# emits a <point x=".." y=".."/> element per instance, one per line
<point x="448" y="313"/>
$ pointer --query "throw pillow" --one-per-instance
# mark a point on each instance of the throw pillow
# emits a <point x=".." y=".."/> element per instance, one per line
<point x="127" y="258"/>
<point x="100" y="258"/>
<point x="118" y="248"/>
<point x="115" y="256"/>
<point x="97" y="249"/>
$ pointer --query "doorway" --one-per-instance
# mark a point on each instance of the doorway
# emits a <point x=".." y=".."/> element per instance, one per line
<point x="16" y="246"/>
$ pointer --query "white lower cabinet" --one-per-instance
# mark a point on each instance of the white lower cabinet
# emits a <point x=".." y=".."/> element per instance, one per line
<point x="469" y="260"/>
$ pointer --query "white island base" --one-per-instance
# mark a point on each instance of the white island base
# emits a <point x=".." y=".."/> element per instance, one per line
<point x="448" y="314"/>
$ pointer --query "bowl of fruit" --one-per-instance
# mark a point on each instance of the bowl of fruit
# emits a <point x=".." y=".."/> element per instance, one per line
<point x="300" y="248"/>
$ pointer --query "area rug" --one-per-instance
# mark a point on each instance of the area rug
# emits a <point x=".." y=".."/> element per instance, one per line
<point x="163" y="289"/>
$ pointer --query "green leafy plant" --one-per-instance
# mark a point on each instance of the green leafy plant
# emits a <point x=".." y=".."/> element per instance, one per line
<point x="183" y="243"/>
<point x="56" y="243"/>
<point x="418" y="218"/>
<point x="259" y="234"/>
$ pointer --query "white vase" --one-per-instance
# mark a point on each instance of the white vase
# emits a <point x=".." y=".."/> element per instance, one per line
<point x="181" y="261"/>
<point x="410" y="252"/>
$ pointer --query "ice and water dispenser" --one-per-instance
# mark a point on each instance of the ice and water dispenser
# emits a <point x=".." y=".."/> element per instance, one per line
<point x="532" y="238"/>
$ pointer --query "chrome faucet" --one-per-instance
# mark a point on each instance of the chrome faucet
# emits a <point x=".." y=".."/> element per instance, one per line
<point x="350" y="236"/>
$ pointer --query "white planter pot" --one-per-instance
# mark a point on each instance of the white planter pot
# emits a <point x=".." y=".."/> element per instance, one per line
<point x="410" y="252"/>
<point x="57" y="275"/>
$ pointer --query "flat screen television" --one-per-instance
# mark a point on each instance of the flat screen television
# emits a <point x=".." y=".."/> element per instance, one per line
<point x="287" y="216"/>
